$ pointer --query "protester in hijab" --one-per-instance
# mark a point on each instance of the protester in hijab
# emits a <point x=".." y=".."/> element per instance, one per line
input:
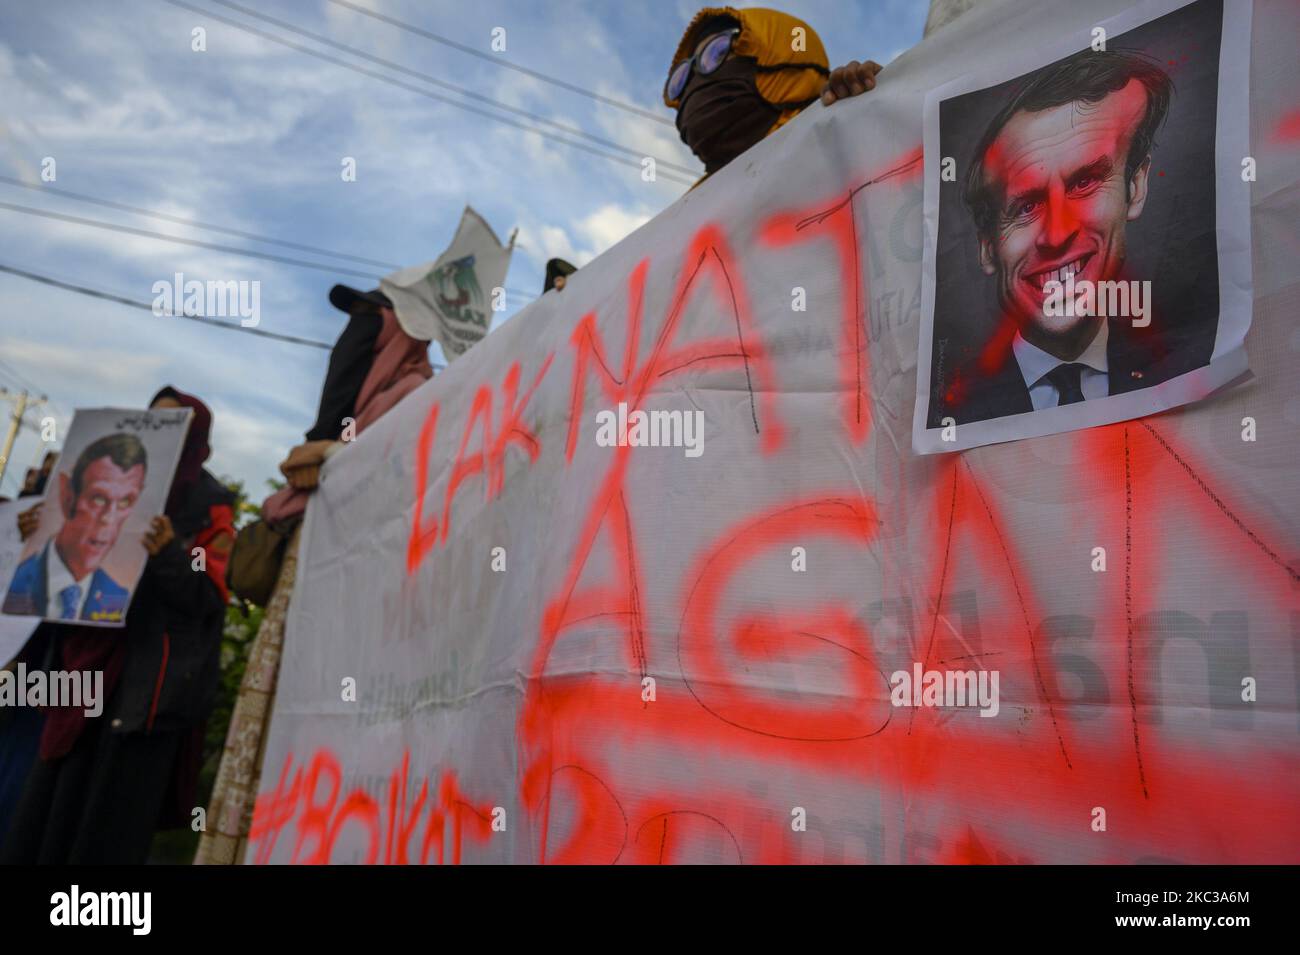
<point x="100" y="786"/>
<point x="20" y="726"/>
<point x="35" y="479"/>
<point x="374" y="364"/>
<point x="557" y="273"/>
<point x="40" y="476"/>
<point x="395" y="365"/>
<point x="740" y="75"/>
<point x="20" y="732"/>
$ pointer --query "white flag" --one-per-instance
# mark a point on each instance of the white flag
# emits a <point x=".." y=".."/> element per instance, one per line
<point x="451" y="299"/>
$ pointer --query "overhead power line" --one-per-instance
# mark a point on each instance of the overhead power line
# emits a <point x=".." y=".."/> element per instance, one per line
<point x="147" y="306"/>
<point x="198" y="243"/>
<point x="672" y="171"/>
<point x="16" y="378"/>
<point x="155" y="214"/>
<point x="435" y="81"/>
<point x="182" y="220"/>
<point x="497" y="60"/>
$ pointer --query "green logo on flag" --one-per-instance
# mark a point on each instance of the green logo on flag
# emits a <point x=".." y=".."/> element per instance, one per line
<point x="456" y="289"/>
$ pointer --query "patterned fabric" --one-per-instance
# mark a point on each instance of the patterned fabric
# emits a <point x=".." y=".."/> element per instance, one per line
<point x="231" y="808"/>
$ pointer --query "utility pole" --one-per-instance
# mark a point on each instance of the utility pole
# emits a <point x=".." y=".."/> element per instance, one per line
<point x="21" y="402"/>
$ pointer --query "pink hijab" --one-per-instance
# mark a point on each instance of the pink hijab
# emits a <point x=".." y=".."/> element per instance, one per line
<point x="401" y="365"/>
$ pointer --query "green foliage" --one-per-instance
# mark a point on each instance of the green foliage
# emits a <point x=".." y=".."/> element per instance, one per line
<point x="242" y="623"/>
<point x="241" y="626"/>
<point x="236" y="639"/>
<point x="246" y="511"/>
<point x="178" y="846"/>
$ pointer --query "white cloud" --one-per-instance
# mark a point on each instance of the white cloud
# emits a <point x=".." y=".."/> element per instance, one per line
<point x="609" y="225"/>
<point x="111" y="369"/>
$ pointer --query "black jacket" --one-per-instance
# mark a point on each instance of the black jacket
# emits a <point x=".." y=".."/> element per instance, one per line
<point x="1135" y="358"/>
<point x="350" y="362"/>
<point x="173" y="629"/>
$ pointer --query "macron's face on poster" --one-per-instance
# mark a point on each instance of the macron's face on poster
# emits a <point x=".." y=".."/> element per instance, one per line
<point x="94" y="517"/>
<point x="1063" y="203"/>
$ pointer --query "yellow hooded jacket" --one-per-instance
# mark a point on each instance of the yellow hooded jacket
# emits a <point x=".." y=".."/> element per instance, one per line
<point x="781" y="44"/>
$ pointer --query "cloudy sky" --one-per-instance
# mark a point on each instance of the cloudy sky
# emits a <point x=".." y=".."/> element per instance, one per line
<point x="250" y="134"/>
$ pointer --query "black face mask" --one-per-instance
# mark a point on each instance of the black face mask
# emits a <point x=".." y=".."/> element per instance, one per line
<point x="723" y="114"/>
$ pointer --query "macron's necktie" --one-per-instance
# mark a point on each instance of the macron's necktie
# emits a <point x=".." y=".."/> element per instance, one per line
<point x="1066" y="380"/>
<point x="70" y="598"/>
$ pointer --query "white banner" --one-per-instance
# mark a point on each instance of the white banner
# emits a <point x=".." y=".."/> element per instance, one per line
<point x="656" y="576"/>
<point x="452" y="299"/>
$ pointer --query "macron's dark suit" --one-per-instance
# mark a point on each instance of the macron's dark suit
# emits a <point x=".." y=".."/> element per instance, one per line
<point x="27" y="595"/>
<point x="973" y="394"/>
